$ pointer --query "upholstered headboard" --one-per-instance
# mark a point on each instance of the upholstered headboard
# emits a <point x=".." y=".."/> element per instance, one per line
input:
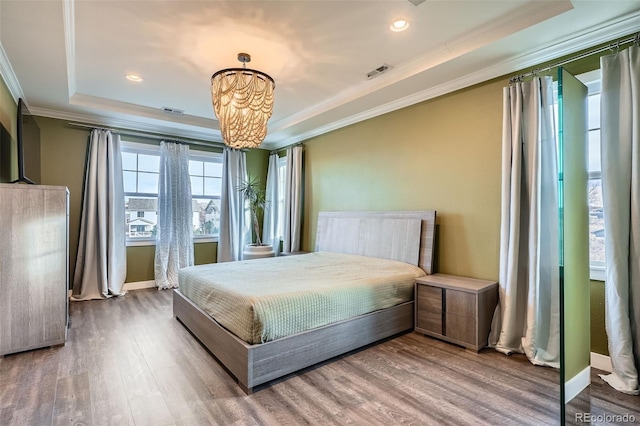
<point x="407" y="236"/>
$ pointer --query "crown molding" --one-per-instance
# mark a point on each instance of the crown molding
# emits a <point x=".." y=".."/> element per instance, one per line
<point x="586" y="39"/>
<point x="139" y="125"/>
<point x="150" y="120"/>
<point x="517" y="20"/>
<point x="9" y="76"/>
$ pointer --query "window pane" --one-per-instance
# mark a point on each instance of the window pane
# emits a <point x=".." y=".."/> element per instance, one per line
<point x="195" y="168"/>
<point x="148" y="183"/>
<point x="141" y="216"/>
<point x="594" y="151"/>
<point x="596" y="223"/>
<point x="594" y="111"/>
<point x="148" y="163"/>
<point x="206" y="216"/>
<point x="141" y="176"/>
<point x="129" y="160"/>
<point x="196" y="185"/>
<point x="212" y="186"/>
<point x="129" y="181"/>
<point x="213" y="169"/>
<point x="282" y="172"/>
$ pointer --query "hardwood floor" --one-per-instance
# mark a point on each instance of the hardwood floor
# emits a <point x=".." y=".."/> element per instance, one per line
<point x="128" y="361"/>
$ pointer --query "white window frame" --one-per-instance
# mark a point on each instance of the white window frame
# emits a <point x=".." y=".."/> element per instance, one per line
<point x="592" y="80"/>
<point x="151" y="149"/>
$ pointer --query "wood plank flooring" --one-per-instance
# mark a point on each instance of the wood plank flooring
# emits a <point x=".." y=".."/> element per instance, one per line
<point x="128" y="361"/>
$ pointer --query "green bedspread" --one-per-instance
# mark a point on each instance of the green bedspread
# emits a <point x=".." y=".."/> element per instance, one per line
<point x="266" y="299"/>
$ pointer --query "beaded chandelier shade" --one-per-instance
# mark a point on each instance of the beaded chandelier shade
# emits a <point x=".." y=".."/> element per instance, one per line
<point x="243" y="102"/>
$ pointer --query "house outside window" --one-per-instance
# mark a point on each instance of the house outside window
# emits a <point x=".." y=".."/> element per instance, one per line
<point x="141" y="172"/>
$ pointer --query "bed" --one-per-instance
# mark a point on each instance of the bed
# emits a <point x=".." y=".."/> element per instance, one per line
<point x="256" y="351"/>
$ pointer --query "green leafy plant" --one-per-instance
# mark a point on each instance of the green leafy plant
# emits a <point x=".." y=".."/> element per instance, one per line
<point x="255" y="196"/>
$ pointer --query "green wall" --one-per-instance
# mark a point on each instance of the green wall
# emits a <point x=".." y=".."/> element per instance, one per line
<point x="63" y="153"/>
<point x="599" y="342"/>
<point x="442" y="154"/>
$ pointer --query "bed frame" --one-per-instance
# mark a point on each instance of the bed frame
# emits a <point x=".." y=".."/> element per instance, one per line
<point x="404" y="236"/>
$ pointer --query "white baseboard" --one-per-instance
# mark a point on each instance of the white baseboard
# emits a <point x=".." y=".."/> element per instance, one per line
<point x="601" y="362"/>
<point x="139" y="285"/>
<point x="576" y="384"/>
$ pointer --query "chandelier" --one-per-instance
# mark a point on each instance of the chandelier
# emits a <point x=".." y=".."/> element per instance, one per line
<point x="243" y="102"/>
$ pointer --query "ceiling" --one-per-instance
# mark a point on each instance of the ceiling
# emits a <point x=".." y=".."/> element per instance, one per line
<point x="69" y="59"/>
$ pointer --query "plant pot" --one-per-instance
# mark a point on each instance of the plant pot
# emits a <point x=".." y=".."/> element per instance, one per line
<point x="252" y="251"/>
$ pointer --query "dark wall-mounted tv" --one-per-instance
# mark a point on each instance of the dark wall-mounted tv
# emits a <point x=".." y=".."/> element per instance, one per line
<point x="28" y="146"/>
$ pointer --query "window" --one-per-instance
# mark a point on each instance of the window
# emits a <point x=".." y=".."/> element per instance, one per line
<point x="596" y="212"/>
<point x="141" y="172"/>
<point x="282" y="173"/>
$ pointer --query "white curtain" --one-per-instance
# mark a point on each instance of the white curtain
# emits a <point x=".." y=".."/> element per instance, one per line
<point x="527" y="318"/>
<point x="101" y="264"/>
<point x="270" y="233"/>
<point x="293" y="200"/>
<point x="620" y="154"/>
<point x="174" y="234"/>
<point x="234" y="217"/>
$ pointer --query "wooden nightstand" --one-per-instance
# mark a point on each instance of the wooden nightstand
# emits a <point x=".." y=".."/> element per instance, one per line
<point x="456" y="309"/>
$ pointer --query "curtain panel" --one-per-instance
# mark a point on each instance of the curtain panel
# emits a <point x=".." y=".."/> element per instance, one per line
<point x="174" y="234"/>
<point x="234" y="216"/>
<point x="620" y="154"/>
<point x="272" y="213"/>
<point x="527" y="317"/>
<point x="101" y="263"/>
<point x="293" y="200"/>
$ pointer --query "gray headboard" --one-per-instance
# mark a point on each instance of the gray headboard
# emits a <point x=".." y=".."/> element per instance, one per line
<point x="407" y="236"/>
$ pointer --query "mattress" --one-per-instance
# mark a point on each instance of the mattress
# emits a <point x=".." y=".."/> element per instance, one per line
<point x="266" y="299"/>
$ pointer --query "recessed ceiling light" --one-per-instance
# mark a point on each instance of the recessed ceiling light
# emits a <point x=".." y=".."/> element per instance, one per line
<point x="399" y="25"/>
<point x="133" y="77"/>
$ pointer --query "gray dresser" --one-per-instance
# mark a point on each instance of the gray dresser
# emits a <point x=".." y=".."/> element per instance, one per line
<point x="33" y="266"/>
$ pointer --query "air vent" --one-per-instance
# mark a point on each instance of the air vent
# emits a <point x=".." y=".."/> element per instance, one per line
<point x="173" y="111"/>
<point x="381" y="69"/>
<point x="416" y="2"/>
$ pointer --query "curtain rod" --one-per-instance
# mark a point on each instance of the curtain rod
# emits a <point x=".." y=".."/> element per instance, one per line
<point x="613" y="47"/>
<point x="149" y="135"/>
<point x="285" y="147"/>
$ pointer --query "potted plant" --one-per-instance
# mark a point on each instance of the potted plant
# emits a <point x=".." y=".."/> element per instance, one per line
<point x="255" y="197"/>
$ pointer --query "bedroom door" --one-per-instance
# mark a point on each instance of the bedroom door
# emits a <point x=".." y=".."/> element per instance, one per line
<point x="574" y="247"/>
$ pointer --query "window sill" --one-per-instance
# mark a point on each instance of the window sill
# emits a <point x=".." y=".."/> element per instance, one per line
<point x="597" y="274"/>
<point x="141" y="242"/>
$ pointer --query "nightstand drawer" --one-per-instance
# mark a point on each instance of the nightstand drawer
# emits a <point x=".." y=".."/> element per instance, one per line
<point x="429" y="298"/>
<point x="429" y="321"/>
<point x="461" y="303"/>
<point x="460" y="327"/>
